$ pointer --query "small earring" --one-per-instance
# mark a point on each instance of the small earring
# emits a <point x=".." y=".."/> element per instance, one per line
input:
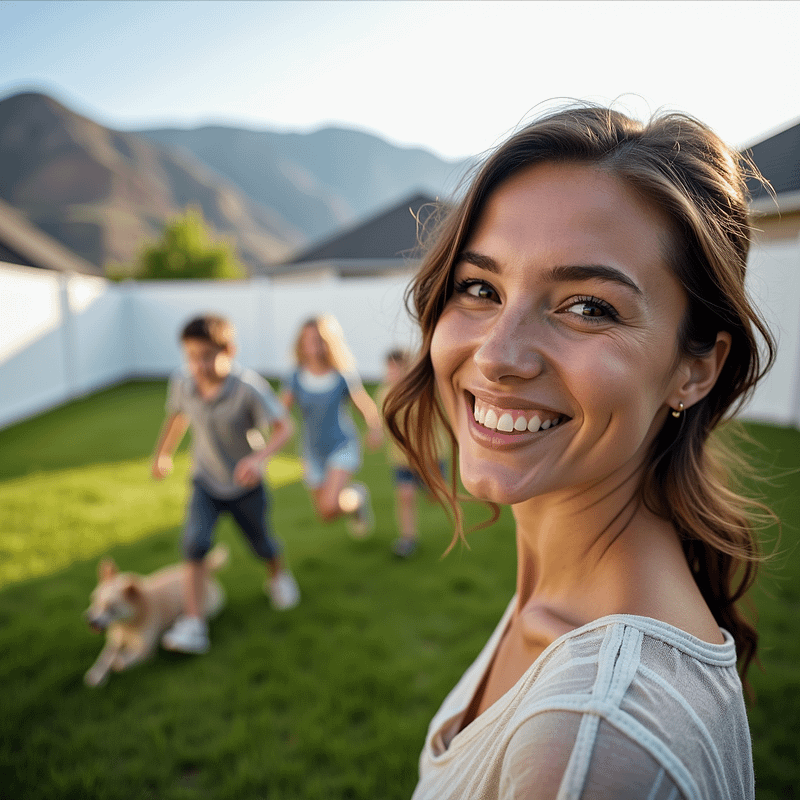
<point x="678" y="412"/>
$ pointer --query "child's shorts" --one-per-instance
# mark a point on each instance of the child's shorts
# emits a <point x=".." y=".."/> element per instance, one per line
<point x="251" y="512"/>
<point x="347" y="457"/>
<point x="405" y="476"/>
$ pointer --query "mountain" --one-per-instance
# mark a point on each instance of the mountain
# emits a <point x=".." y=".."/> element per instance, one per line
<point x="104" y="193"/>
<point x="317" y="181"/>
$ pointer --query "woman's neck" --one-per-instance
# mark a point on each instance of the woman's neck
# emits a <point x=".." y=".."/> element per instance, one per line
<point x="583" y="556"/>
<point x="587" y="557"/>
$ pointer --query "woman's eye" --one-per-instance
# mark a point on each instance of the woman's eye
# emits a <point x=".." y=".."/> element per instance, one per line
<point x="592" y="308"/>
<point x="477" y="289"/>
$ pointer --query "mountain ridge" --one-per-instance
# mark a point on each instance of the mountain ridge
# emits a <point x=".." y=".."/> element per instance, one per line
<point x="104" y="193"/>
<point x="343" y="175"/>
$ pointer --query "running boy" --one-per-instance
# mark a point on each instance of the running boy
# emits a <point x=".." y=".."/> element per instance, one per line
<point x="225" y="406"/>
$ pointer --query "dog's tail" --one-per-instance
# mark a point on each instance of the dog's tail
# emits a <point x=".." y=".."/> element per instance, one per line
<point x="217" y="557"/>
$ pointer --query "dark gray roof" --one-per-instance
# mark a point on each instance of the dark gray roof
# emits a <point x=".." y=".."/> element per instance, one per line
<point x="387" y="236"/>
<point x="10" y="256"/>
<point x="778" y="159"/>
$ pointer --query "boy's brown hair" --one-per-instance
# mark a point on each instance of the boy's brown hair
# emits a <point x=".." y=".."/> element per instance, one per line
<point x="210" y="328"/>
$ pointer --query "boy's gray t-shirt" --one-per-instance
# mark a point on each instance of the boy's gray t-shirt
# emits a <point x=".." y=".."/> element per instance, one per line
<point x="220" y="426"/>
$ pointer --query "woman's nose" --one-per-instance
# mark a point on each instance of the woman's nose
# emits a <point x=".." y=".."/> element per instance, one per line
<point x="510" y="350"/>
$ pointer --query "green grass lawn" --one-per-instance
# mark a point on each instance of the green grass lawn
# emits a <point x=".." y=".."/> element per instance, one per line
<point x="328" y="700"/>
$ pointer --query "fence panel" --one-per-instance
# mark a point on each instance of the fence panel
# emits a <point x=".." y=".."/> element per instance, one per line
<point x="158" y="310"/>
<point x="33" y="374"/>
<point x="97" y="351"/>
<point x="774" y="281"/>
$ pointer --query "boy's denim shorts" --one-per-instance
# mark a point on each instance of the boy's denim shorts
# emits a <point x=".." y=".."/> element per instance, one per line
<point x="251" y="511"/>
<point x="347" y="457"/>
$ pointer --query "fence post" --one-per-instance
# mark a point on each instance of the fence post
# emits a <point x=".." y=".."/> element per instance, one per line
<point x="68" y="337"/>
<point x="794" y="412"/>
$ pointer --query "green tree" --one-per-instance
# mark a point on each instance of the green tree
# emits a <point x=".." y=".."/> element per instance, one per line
<point x="186" y="250"/>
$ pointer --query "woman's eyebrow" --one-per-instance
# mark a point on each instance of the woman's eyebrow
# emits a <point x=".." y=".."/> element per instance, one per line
<point x="587" y="272"/>
<point x="559" y="274"/>
<point x="478" y="260"/>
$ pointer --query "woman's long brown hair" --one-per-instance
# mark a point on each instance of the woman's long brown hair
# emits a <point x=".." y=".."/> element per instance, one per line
<point x="681" y="167"/>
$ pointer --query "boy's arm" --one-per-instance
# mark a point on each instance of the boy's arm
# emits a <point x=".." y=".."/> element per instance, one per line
<point x="280" y="433"/>
<point x="249" y="471"/>
<point x="172" y="431"/>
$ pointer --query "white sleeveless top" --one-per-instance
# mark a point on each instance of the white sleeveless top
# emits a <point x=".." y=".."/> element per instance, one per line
<point x="625" y="707"/>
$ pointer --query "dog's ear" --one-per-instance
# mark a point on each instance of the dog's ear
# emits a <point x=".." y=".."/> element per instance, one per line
<point x="106" y="569"/>
<point x="131" y="590"/>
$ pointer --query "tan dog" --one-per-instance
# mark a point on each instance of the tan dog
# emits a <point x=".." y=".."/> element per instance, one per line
<point x="135" y="610"/>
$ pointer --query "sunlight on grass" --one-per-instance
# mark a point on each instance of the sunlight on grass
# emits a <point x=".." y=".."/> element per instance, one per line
<point x="52" y="519"/>
<point x="283" y="470"/>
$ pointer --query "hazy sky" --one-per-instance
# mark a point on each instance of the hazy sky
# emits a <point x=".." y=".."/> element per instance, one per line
<point x="453" y="77"/>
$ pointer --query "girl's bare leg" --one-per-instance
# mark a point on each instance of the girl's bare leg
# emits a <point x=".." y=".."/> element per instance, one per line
<point x="331" y="499"/>
<point x="406" y="503"/>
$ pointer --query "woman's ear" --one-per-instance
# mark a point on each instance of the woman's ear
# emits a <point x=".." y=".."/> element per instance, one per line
<point x="698" y="374"/>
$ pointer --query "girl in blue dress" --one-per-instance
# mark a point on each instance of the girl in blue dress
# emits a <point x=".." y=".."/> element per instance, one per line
<point x="322" y="386"/>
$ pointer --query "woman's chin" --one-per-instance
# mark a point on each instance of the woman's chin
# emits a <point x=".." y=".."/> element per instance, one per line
<point x="495" y="490"/>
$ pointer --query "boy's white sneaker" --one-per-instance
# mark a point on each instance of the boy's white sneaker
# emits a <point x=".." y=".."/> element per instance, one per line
<point x="362" y="521"/>
<point x="283" y="591"/>
<point x="187" y="635"/>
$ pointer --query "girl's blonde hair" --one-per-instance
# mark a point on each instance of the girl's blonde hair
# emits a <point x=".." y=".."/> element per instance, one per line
<point x="337" y="353"/>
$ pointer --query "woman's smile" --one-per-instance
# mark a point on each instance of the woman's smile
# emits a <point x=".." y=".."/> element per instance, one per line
<point x="517" y="423"/>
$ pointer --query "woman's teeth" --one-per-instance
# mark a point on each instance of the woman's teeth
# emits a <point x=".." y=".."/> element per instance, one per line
<point x="512" y="421"/>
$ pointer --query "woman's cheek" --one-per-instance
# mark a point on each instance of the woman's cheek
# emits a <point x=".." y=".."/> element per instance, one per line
<point x="443" y="355"/>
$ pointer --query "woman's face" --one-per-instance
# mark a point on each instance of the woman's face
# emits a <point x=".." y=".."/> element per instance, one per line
<point x="560" y="335"/>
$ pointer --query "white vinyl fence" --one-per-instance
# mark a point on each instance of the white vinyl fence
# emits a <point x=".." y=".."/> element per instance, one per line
<point x="60" y="337"/>
<point x="63" y="336"/>
<point x="773" y="278"/>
